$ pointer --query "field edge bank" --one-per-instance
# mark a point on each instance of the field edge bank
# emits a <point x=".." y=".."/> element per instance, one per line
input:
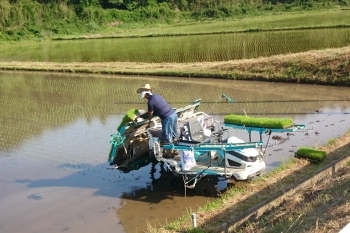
<point x="324" y="67"/>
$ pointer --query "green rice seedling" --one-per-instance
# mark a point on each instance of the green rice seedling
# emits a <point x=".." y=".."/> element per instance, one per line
<point x="234" y="119"/>
<point x="311" y="154"/>
<point x="269" y="122"/>
<point x="129" y="116"/>
<point x="259" y="122"/>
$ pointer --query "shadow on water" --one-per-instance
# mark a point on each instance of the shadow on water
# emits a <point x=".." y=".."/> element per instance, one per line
<point x="79" y="179"/>
<point x="148" y="194"/>
<point x="163" y="186"/>
<point x="152" y="185"/>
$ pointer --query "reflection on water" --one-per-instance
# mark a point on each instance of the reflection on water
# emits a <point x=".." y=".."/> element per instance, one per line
<point x="35" y="102"/>
<point x="158" y="202"/>
<point x="64" y="122"/>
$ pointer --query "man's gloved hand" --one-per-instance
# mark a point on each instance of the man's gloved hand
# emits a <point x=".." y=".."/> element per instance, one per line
<point x="146" y="115"/>
<point x="138" y="119"/>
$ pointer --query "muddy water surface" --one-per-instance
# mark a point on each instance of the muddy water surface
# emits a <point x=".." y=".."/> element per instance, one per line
<point x="54" y="144"/>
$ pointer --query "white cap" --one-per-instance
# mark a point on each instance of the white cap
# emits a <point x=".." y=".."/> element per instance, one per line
<point x="143" y="93"/>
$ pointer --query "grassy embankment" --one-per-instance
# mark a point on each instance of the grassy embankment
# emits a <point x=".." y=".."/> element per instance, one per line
<point x="323" y="207"/>
<point x="329" y="66"/>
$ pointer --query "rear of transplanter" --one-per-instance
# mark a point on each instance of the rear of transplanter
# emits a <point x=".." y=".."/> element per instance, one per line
<point x="117" y="139"/>
<point x="129" y="116"/>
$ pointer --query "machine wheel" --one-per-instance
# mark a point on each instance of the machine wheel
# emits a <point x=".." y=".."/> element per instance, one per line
<point x="208" y="186"/>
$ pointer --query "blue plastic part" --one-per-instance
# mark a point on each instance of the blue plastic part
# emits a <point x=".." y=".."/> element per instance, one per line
<point x="116" y="140"/>
<point x="214" y="147"/>
<point x="113" y="152"/>
<point x="122" y="129"/>
<point x="228" y="99"/>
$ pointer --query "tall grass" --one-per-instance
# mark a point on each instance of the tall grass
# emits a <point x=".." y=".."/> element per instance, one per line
<point x="25" y="19"/>
<point x="313" y="19"/>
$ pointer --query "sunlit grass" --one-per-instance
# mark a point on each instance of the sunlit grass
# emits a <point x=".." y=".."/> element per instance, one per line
<point x="314" y="209"/>
<point x="311" y="19"/>
<point x="332" y="142"/>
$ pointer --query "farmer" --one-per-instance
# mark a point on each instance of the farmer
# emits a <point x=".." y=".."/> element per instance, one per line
<point x="157" y="106"/>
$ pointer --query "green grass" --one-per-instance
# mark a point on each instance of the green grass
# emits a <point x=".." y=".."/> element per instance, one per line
<point x="310" y="19"/>
<point x="311" y="154"/>
<point x="331" y="142"/>
<point x="258" y="122"/>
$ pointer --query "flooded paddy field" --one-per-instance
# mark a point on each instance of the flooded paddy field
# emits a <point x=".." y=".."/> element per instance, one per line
<point x="54" y="145"/>
<point x="178" y="49"/>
